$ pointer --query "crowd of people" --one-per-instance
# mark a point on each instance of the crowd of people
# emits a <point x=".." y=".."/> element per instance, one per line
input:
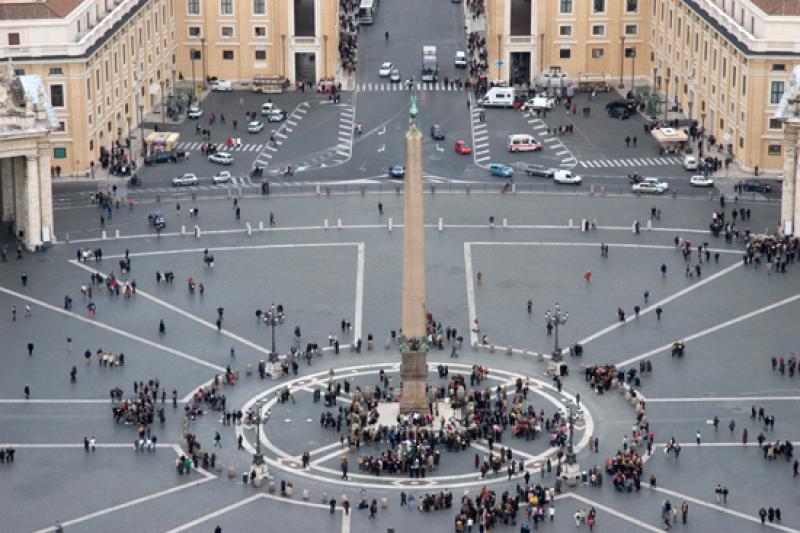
<point x="348" y="34"/>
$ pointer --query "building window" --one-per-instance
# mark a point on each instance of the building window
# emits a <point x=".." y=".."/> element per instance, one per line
<point x="599" y="6"/>
<point x="564" y="53"/>
<point x="774" y="149"/>
<point x="733" y="77"/>
<point x="19" y="71"/>
<point x="565" y="31"/>
<point x="744" y="84"/>
<point x="226" y="31"/>
<point x="259" y="7"/>
<point x="597" y="53"/>
<point x="565" y="6"/>
<point x="227" y="55"/>
<point x="776" y="92"/>
<point x="13" y="39"/>
<point x="226" y="7"/>
<point x="56" y="71"/>
<point x="722" y="123"/>
<point x="193" y="7"/>
<point x="57" y="95"/>
<point x="631" y="29"/>
<point x="741" y="142"/>
<point x="59" y="153"/>
<point x="598" y="30"/>
<point x="91" y="144"/>
<point x="195" y="31"/>
<point x="261" y="55"/>
<point x="260" y="31"/>
<point x="775" y="124"/>
<point x="195" y="54"/>
<point x="62" y="126"/>
<point x="631" y="6"/>
<point x="780" y="67"/>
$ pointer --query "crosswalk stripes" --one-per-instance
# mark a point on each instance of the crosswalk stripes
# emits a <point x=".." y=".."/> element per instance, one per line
<point x="630" y="162"/>
<point x="244" y="147"/>
<point x="400" y="86"/>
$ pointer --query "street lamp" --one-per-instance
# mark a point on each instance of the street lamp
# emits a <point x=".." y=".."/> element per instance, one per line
<point x="499" y="54"/>
<point x="621" y="61"/>
<point x="258" y="459"/>
<point x="633" y="66"/>
<point x="556" y="318"/>
<point x="666" y="96"/>
<point x="571" y="459"/>
<point x="128" y="118"/>
<point x="273" y="356"/>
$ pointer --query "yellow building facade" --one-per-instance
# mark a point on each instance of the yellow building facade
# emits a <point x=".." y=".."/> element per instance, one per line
<point x="725" y="63"/>
<point x="240" y="40"/>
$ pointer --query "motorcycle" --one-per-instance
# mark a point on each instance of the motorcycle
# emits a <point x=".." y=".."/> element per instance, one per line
<point x="678" y="348"/>
<point x="635" y="178"/>
<point x="289" y="171"/>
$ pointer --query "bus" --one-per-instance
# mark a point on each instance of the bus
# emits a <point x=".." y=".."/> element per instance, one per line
<point x="367" y="10"/>
<point x="268" y="84"/>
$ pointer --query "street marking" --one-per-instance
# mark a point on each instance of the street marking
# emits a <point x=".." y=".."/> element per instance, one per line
<point x="473" y="335"/>
<point x="663" y="302"/>
<point x="726" y="399"/>
<point x="206" y="477"/>
<point x="56" y="401"/>
<point x="703" y="333"/>
<point x="359" y="310"/>
<point x="614" y="512"/>
<point x="112" y="329"/>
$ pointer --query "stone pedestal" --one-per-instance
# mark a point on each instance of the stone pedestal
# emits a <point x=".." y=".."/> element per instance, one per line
<point x="414" y="382"/>
<point x="571" y="474"/>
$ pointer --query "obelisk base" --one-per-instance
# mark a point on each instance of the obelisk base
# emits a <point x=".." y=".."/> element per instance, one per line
<point x="414" y="383"/>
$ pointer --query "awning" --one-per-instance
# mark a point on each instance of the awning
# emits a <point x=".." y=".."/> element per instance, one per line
<point x="669" y="135"/>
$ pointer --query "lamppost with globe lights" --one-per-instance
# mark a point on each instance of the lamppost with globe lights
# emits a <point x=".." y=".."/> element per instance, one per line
<point x="556" y="318"/>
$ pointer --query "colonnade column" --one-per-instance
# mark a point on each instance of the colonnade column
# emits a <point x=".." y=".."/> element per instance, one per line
<point x="20" y="201"/>
<point x="33" y="219"/>
<point x="46" y="193"/>
<point x="6" y="189"/>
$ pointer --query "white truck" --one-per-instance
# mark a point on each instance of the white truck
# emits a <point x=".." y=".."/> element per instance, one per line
<point x="498" y="97"/>
<point x="430" y="65"/>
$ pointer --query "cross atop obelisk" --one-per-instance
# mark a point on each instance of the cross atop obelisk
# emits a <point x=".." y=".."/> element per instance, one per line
<point x="414" y="345"/>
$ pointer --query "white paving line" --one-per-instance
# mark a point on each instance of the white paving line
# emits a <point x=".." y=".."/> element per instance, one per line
<point x="206" y="478"/>
<point x="113" y="330"/>
<point x="725" y="399"/>
<point x="614" y="512"/>
<point x="175" y="309"/>
<point x="54" y="400"/>
<point x="662" y="302"/>
<point x="721" y="509"/>
<point x="703" y="333"/>
<point x="473" y="336"/>
<point x="77" y="445"/>
<point x="359" y="310"/>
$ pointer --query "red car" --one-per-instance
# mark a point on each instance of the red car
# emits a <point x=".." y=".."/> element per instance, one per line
<point x="462" y="148"/>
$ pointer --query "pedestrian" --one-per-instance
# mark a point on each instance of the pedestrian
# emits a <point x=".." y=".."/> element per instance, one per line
<point x="762" y="513"/>
<point x="13" y="313"/>
<point x="92" y="443"/>
<point x="24" y="278"/>
<point x="27" y="311"/>
<point x="627" y="141"/>
<point x="588" y="276"/>
<point x="271" y="219"/>
<point x="697" y="437"/>
<point x="73" y="375"/>
<point x="380" y="208"/>
<point x="635" y="140"/>
<point x="658" y="312"/>
<point x="30" y="348"/>
<point x="217" y="439"/>
<point x="663" y="269"/>
<point x="27" y="391"/>
<point x="332" y="504"/>
<point x="716" y="423"/>
<point x="373" y="508"/>
<point x="684" y="512"/>
<point x="646" y="296"/>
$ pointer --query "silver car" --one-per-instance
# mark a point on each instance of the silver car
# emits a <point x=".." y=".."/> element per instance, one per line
<point x="221" y="158"/>
<point x="185" y="179"/>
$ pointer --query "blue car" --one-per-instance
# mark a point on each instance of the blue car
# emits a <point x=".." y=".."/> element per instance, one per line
<point x="500" y="170"/>
<point x="397" y="171"/>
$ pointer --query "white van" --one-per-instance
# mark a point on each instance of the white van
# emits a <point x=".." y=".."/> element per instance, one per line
<point x="498" y="97"/>
<point x="221" y="86"/>
<point x="266" y="109"/>
<point x="566" y="177"/>
<point x="522" y="142"/>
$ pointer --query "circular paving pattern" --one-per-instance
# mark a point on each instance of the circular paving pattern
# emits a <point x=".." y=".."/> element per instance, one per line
<point x="543" y="396"/>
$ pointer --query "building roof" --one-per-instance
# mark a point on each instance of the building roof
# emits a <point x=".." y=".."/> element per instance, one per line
<point x="36" y="9"/>
<point x="779" y="7"/>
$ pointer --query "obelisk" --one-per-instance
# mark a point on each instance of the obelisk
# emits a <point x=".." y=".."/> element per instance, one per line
<point x="414" y="342"/>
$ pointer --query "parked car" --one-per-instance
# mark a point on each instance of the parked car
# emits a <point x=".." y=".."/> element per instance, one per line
<point x="395" y="75"/>
<point x="185" y="179"/>
<point x="501" y="170"/>
<point x="221" y="158"/>
<point x="255" y="126"/>
<point x="461" y="147"/>
<point x="461" y="59"/>
<point x="566" y="177"/>
<point x="538" y="102"/>
<point x="755" y="186"/>
<point x="266" y="108"/>
<point x="385" y="69"/>
<point x="689" y="162"/>
<point x="437" y="132"/>
<point x="222" y="177"/>
<point x="397" y="171"/>
<point x="540" y="171"/>
<point x="194" y="112"/>
<point x="701" y="181"/>
<point x="160" y="157"/>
